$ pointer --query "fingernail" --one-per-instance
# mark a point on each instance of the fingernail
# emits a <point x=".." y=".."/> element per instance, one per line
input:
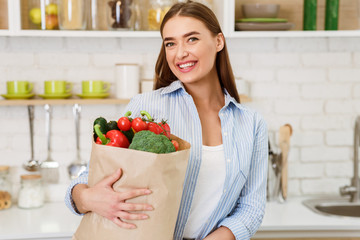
<point x="149" y="208"/>
<point x="148" y="191"/>
<point x="145" y="217"/>
<point x="133" y="227"/>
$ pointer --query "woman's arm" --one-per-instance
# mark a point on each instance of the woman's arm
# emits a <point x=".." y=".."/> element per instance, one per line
<point x="103" y="200"/>
<point x="222" y="233"/>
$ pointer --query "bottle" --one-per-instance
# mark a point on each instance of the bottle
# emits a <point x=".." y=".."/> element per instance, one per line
<point x="156" y="13"/>
<point x="332" y="15"/>
<point x="43" y="14"/>
<point x="31" y="193"/>
<point x="5" y="188"/>
<point x="120" y="15"/>
<point x="310" y="8"/>
<point x="72" y="14"/>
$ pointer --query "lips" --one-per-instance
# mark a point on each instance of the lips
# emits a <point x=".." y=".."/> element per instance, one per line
<point x="186" y="66"/>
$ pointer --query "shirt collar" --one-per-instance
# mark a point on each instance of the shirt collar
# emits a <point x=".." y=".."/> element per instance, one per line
<point x="177" y="85"/>
<point x="174" y="86"/>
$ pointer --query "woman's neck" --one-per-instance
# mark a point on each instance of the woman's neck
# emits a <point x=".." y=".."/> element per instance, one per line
<point x="208" y="94"/>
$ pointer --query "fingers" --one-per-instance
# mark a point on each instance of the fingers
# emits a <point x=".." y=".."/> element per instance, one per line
<point x="132" y="216"/>
<point x="122" y="224"/>
<point x="135" y="207"/>
<point x="134" y="193"/>
<point x="110" y="180"/>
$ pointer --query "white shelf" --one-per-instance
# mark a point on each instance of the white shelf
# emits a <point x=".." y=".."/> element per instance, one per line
<point x="290" y="34"/>
<point x="63" y="33"/>
<point x="4" y="32"/>
<point x="223" y="9"/>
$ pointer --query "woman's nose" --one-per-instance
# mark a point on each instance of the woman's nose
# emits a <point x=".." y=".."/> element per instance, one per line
<point x="182" y="51"/>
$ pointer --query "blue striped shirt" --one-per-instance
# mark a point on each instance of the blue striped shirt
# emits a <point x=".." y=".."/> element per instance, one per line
<point x="244" y="134"/>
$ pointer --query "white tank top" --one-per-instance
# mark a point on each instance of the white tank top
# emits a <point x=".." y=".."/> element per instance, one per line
<point x="208" y="190"/>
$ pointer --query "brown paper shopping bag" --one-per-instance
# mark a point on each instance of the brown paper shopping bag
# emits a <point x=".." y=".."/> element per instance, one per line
<point x="164" y="174"/>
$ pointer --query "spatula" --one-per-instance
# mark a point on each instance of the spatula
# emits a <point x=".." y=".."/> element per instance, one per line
<point x="49" y="168"/>
<point x="284" y="144"/>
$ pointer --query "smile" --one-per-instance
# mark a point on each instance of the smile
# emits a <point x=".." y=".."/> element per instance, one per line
<point x="184" y="67"/>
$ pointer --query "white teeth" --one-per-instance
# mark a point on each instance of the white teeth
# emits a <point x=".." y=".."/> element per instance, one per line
<point x="187" y="65"/>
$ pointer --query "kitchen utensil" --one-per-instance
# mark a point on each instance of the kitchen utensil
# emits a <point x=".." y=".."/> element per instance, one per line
<point x="78" y="166"/>
<point x="278" y="166"/>
<point x="49" y="168"/>
<point x="273" y="179"/>
<point x="32" y="164"/>
<point x="284" y="144"/>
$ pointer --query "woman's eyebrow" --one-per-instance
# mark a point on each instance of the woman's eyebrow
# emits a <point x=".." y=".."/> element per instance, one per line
<point x="185" y="35"/>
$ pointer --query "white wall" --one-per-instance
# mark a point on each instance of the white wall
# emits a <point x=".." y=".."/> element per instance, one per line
<point x="311" y="83"/>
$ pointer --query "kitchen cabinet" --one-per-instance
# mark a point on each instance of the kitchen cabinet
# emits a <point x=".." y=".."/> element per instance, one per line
<point x="226" y="11"/>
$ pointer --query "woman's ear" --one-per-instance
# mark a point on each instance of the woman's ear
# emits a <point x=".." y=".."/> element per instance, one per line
<point x="220" y="42"/>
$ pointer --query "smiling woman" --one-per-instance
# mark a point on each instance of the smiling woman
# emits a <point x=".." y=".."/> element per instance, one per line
<point x="225" y="185"/>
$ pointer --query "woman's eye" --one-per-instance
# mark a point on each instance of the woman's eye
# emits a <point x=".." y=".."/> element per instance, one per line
<point x="169" y="44"/>
<point x="193" y="39"/>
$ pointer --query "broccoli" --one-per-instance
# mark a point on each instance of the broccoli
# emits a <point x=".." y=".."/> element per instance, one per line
<point x="150" y="142"/>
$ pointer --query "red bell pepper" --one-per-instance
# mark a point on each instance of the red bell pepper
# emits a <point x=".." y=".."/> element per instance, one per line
<point x="114" y="138"/>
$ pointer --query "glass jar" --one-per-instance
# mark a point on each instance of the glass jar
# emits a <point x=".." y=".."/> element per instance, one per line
<point x="72" y="14"/>
<point x="5" y="188"/>
<point x="43" y="14"/>
<point x="156" y="13"/>
<point x="31" y="193"/>
<point x="97" y="15"/>
<point x="120" y="15"/>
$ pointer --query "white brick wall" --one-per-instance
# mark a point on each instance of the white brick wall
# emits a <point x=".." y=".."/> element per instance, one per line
<point x="311" y="83"/>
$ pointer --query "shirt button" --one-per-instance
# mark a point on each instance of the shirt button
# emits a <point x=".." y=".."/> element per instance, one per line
<point x="225" y="133"/>
<point x="224" y="190"/>
<point x="221" y="114"/>
<point x="228" y="160"/>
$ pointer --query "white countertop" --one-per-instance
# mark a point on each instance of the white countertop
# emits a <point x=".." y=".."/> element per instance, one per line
<point x="290" y="219"/>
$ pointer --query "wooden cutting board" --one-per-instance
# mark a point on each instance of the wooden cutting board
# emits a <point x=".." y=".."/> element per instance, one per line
<point x="284" y="145"/>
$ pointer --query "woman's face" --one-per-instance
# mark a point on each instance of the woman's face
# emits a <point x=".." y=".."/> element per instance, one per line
<point x="191" y="49"/>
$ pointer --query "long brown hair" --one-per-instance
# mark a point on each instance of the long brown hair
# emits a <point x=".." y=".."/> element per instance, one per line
<point x="164" y="76"/>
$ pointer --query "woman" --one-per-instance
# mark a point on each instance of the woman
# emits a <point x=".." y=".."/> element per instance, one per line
<point x="225" y="184"/>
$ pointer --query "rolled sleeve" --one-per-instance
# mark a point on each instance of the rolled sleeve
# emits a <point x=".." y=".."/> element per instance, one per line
<point x="247" y="216"/>
<point x="82" y="179"/>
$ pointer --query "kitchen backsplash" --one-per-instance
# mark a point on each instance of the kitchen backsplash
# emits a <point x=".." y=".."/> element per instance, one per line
<point x="311" y="83"/>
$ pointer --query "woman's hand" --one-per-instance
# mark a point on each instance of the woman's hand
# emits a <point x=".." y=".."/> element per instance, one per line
<point x="103" y="200"/>
<point x="222" y="233"/>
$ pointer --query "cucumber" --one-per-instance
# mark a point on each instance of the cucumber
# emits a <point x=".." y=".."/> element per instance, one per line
<point x="103" y="126"/>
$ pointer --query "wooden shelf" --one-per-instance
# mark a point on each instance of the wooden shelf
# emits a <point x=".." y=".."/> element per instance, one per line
<point x="70" y="101"/>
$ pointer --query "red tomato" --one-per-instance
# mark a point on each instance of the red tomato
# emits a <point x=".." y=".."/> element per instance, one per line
<point x="139" y="125"/>
<point x="154" y="127"/>
<point x="165" y="128"/>
<point x="124" y="124"/>
<point x="176" y="144"/>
